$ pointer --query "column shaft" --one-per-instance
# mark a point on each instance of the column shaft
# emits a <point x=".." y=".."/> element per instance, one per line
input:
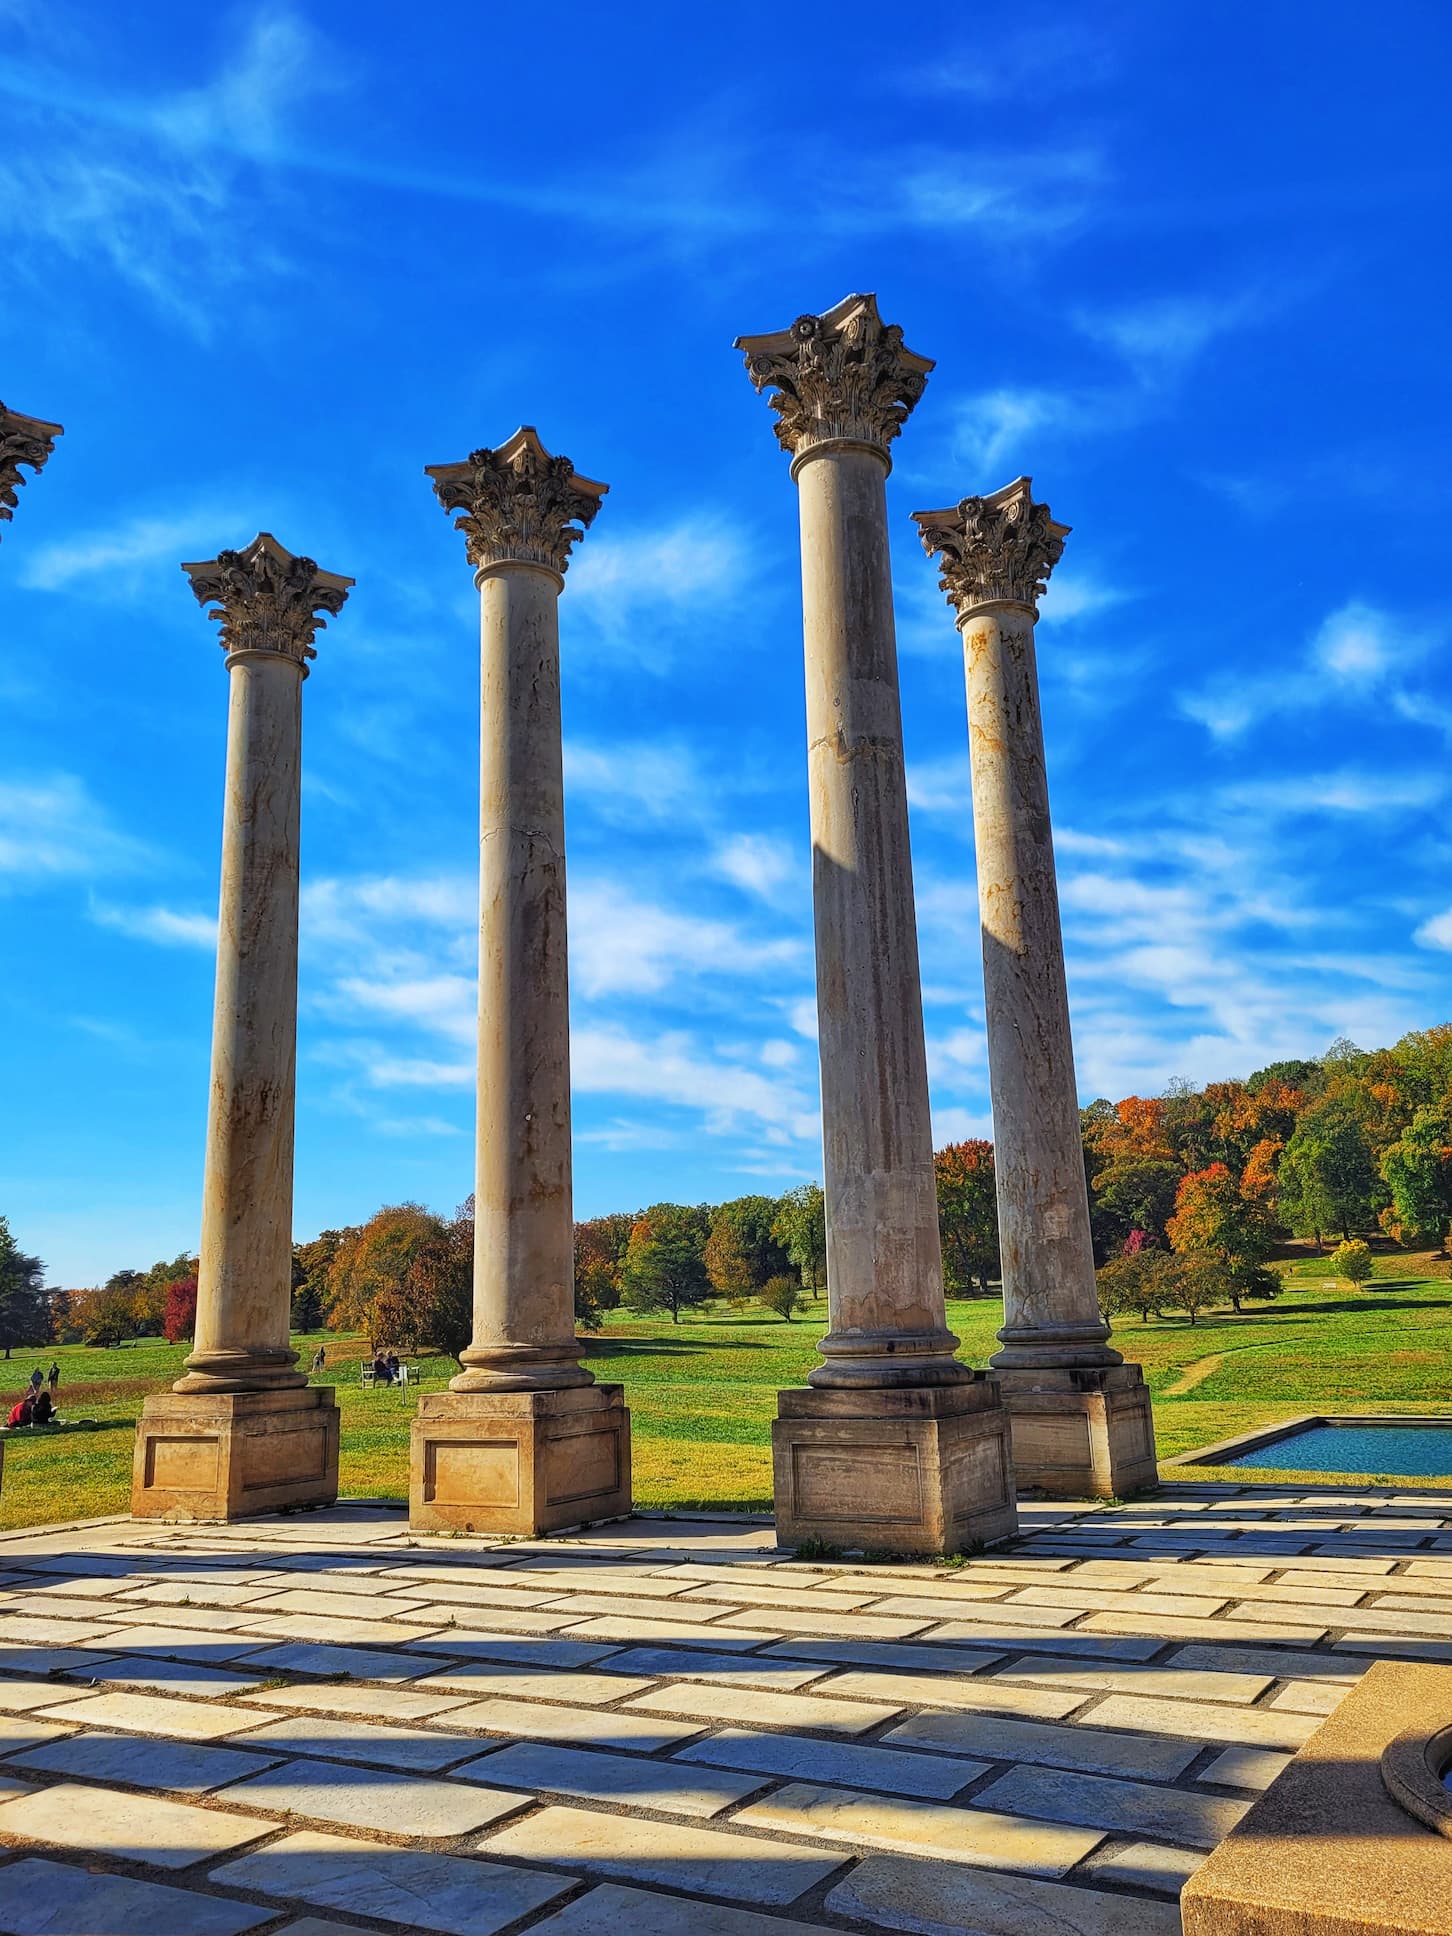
<point x="524" y="1317"/>
<point x="1051" y="1309"/>
<point x="244" y="1282"/>
<point x="884" y="1262"/>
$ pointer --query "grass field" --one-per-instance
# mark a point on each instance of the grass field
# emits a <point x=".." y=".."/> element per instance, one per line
<point x="703" y="1393"/>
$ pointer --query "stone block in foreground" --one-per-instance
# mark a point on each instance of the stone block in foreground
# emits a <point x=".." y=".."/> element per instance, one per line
<point x="1081" y="1432"/>
<point x="1327" y="1850"/>
<point x="519" y="1461"/>
<point x="916" y="1469"/>
<point x="230" y="1455"/>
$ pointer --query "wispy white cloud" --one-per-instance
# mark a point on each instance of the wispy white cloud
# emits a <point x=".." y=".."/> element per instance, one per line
<point x="636" y="593"/>
<point x="1436" y="932"/>
<point x="621" y="944"/>
<point x="1357" y="651"/>
<point x="760" y="864"/>
<point x="166" y="926"/>
<point x="127" y="556"/>
<point x="53" y="826"/>
<point x="630" y="781"/>
<point x="1159" y="337"/>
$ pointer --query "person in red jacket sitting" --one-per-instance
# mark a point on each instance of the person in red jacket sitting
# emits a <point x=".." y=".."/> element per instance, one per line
<point x="22" y="1411"/>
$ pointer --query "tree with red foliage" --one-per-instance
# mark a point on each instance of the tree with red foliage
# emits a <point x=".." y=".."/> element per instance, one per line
<point x="179" y="1319"/>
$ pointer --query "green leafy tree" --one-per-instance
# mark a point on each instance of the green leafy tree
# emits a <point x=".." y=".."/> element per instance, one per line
<point x="1417" y="1169"/>
<point x="665" y="1264"/>
<point x="404" y="1279"/>
<point x="311" y="1263"/>
<point x="24" y="1314"/>
<point x="1195" y="1282"/>
<point x="741" y="1251"/>
<point x="781" y="1294"/>
<point x="967" y="1216"/>
<point x="1137" y="1280"/>
<point x="1328" y="1178"/>
<point x="800" y="1227"/>
<point x="1135" y="1193"/>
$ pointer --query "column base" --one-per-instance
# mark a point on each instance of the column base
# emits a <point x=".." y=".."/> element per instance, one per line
<point x="1084" y="1432"/>
<point x="925" y="1470"/>
<point x="230" y="1455"/>
<point x="519" y="1462"/>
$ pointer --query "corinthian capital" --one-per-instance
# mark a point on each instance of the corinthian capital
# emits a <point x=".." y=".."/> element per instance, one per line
<point x="518" y="504"/>
<point x="23" y="440"/>
<point x="845" y="374"/>
<point x="994" y="550"/>
<point x="267" y="600"/>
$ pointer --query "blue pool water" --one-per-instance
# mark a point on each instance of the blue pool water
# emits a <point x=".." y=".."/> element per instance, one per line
<point x="1409" y="1451"/>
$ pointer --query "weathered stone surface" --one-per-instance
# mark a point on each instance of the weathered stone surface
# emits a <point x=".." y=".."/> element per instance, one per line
<point x="1087" y="1749"/>
<point x="371" y="1798"/>
<point x="474" y="1643"/>
<point x="371" y="1703"/>
<point x="889" y="1655"/>
<point x="984" y="1696"/>
<point x="1184" y="1684"/>
<point x="533" y="1721"/>
<point x="1098" y="1645"/>
<point x="480" y="1679"/>
<point x="455" y="1895"/>
<point x="717" y="1703"/>
<point x="132" y="1828"/>
<point x="743" y="1869"/>
<point x="1119" y="1807"/>
<point x="1245" y="1768"/>
<point x="936" y="1777"/>
<point x="1144" y="1865"/>
<point x="1275" y="1628"/>
<point x="607" y="1909"/>
<point x="971" y="1835"/>
<point x="1274" y="1662"/>
<point x="1252" y="1727"/>
<point x="946" y="1899"/>
<point x="170" y="1766"/>
<point x="153" y="1714"/>
<point x="679" y="1663"/>
<point x="199" y="1682"/>
<point x="339" y="1738"/>
<point x="47" y="1898"/>
<point x="633" y="1781"/>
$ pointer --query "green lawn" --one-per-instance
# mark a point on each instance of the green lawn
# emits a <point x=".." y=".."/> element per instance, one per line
<point x="702" y="1394"/>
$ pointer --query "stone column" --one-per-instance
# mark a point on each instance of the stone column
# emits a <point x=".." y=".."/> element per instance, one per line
<point x="242" y="1431"/>
<point x="23" y="440"/>
<point x="524" y="1440"/>
<point x="1081" y="1417"/>
<point x="897" y="1443"/>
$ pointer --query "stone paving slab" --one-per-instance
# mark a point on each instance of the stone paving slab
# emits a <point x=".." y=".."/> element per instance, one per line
<point x="152" y="1714"/>
<point x="368" y="1701"/>
<point x="42" y="1898"/>
<point x="481" y="1679"/>
<point x="1088" y="1750"/>
<point x="923" y="1828"/>
<point x="943" y="1899"/>
<point x="1116" y="1807"/>
<point x="888" y="1655"/>
<point x="635" y="1781"/>
<point x="715" y="1703"/>
<point x="337" y="1737"/>
<point x="1251" y="1727"/>
<point x="619" y="1730"/>
<point x="174" y="1767"/>
<point x="608" y="1909"/>
<point x="984" y="1696"/>
<point x="1245" y="1768"/>
<point x="454" y="1895"/>
<point x="675" y="1663"/>
<point x="712" y="1861"/>
<point x="131" y="1828"/>
<point x="853" y="1764"/>
<point x="1144" y="1865"/>
<point x="1174" y="1683"/>
<point x="371" y="1798"/>
<point x="195" y="1680"/>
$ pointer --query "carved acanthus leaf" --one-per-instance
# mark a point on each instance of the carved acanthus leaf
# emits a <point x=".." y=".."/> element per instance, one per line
<point x="994" y="550"/>
<point x="518" y="504"/>
<point x="844" y="374"/>
<point x="267" y="600"/>
<point x="23" y="440"/>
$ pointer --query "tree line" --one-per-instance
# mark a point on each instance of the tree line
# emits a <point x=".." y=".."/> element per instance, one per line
<point x="1190" y="1192"/>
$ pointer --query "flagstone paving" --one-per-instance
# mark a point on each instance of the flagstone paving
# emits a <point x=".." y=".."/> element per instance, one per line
<point x="324" y="1725"/>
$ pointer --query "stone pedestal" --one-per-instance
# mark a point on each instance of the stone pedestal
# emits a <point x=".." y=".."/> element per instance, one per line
<point x="1081" y="1432"/>
<point x="519" y="1461"/>
<point x="1328" y="1850"/>
<point x="923" y="1469"/>
<point x="229" y="1455"/>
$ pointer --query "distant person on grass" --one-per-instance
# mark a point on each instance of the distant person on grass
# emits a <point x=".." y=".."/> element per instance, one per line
<point x="320" y="1358"/>
<point x="53" y="1378"/>
<point x="42" y="1412"/>
<point x="37" y="1379"/>
<point x="22" y="1410"/>
<point x="380" y="1369"/>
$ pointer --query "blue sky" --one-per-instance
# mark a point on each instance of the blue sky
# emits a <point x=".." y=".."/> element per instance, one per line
<point x="1183" y="266"/>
